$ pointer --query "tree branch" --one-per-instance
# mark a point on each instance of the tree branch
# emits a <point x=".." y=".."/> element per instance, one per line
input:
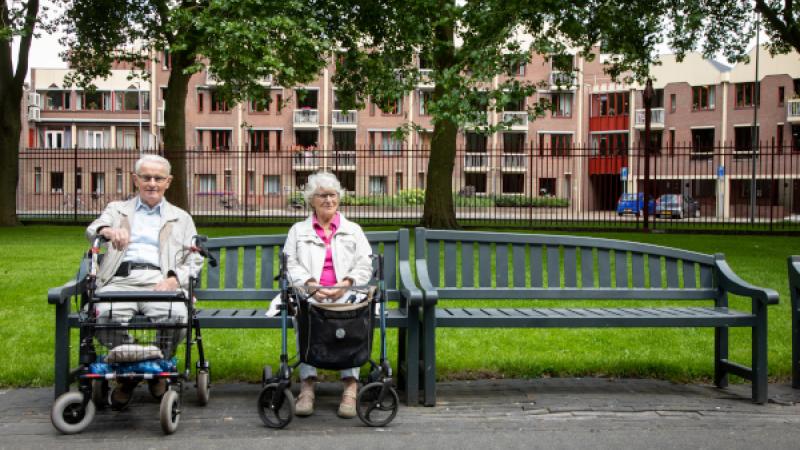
<point x="31" y="12"/>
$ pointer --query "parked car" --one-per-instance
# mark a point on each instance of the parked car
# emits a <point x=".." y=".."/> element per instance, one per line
<point x="677" y="206"/>
<point x="633" y="203"/>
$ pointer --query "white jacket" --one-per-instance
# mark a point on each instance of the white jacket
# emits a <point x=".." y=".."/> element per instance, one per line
<point x="305" y="253"/>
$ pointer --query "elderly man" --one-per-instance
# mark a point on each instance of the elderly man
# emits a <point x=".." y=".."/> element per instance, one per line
<point x="150" y="241"/>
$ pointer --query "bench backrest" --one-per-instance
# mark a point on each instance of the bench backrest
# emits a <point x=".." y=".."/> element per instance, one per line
<point x="482" y="265"/>
<point x="248" y="265"/>
<point x="794" y="279"/>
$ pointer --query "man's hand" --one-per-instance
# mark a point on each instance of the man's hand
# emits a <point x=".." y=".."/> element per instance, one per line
<point x="119" y="237"/>
<point x="167" y="284"/>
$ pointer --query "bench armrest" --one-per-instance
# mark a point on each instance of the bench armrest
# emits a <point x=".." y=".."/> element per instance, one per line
<point x="408" y="288"/>
<point x="61" y="294"/>
<point x="729" y="281"/>
<point x="431" y="294"/>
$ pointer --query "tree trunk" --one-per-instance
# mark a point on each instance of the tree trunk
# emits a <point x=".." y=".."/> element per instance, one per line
<point x="10" y="109"/>
<point x="439" y="211"/>
<point x="175" y="128"/>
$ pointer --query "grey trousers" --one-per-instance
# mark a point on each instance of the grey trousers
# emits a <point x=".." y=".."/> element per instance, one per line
<point x="159" y="312"/>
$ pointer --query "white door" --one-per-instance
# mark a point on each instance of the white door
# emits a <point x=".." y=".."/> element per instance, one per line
<point x="95" y="139"/>
<point x="54" y="139"/>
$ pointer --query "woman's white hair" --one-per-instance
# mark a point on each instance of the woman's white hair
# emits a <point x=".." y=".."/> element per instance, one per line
<point x="321" y="180"/>
<point x="152" y="159"/>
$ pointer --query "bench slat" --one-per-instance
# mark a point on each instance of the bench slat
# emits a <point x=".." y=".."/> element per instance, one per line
<point x="433" y="262"/>
<point x="267" y="266"/>
<point x="570" y="267"/>
<point x="637" y="269"/>
<point x="587" y="267"/>
<point x="621" y="268"/>
<point x="390" y="264"/>
<point x="212" y="280"/>
<point x="518" y="261"/>
<point x="472" y="293"/>
<point x="536" y="266"/>
<point x="450" y="263"/>
<point x="501" y="265"/>
<point x="654" y="264"/>
<point x="553" y="266"/>
<point x="689" y="275"/>
<point x="484" y="265"/>
<point x="672" y="273"/>
<point x="231" y="267"/>
<point x="467" y="265"/>
<point x="706" y="277"/>
<point x="604" y="268"/>
<point x="249" y="267"/>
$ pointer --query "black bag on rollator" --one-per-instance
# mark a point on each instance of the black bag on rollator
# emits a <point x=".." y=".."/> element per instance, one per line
<point x="335" y="336"/>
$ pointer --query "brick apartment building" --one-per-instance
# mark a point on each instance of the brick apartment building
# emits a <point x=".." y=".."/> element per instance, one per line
<point x="576" y="152"/>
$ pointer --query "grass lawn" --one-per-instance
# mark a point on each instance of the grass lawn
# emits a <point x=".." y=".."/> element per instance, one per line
<point x="35" y="258"/>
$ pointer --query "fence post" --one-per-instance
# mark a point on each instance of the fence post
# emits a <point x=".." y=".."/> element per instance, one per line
<point x="246" y="180"/>
<point x="75" y="183"/>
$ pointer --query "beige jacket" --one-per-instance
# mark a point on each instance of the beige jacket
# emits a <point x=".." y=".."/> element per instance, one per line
<point x="305" y="253"/>
<point x="175" y="241"/>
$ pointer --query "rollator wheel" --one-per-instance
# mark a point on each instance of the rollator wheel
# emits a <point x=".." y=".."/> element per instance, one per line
<point x="374" y="409"/>
<point x="170" y="412"/>
<point x="68" y="414"/>
<point x="278" y="413"/>
<point x="203" y="387"/>
<point x="100" y="393"/>
<point x="266" y="376"/>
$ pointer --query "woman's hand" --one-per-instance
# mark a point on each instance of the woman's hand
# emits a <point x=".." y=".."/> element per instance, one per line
<point x="333" y="292"/>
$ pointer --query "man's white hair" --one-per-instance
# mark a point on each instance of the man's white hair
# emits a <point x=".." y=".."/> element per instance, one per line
<point x="321" y="180"/>
<point x="152" y="159"/>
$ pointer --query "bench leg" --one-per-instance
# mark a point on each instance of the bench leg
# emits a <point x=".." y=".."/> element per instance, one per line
<point x="411" y="359"/>
<point x="760" y="355"/>
<point x="795" y="338"/>
<point x="720" y="354"/>
<point x="429" y="354"/>
<point x="61" y="374"/>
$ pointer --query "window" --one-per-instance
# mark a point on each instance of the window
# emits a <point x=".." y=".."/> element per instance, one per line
<point x="658" y="98"/>
<point x="703" y="140"/>
<point x="746" y="95"/>
<point x="260" y="105"/>
<point x="610" y="144"/>
<point x="781" y="95"/>
<point x="37" y="180"/>
<point x="127" y="138"/>
<point x="671" y="142"/>
<point x="475" y="142"/>
<point x="272" y="184"/>
<point x="513" y="183"/>
<point x="200" y="96"/>
<point x="200" y="139"/>
<point x="779" y="138"/>
<point x="703" y="98"/>
<point x="563" y="63"/>
<point x="477" y="181"/>
<point x="207" y="183"/>
<point x="344" y="141"/>
<point x="562" y="105"/>
<point x="227" y="183"/>
<point x="560" y="144"/>
<point x="516" y="105"/>
<point x="656" y="139"/>
<point x="420" y="180"/>
<point x="221" y="140"/>
<point x="398" y="181"/>
<point x="385" y="141"/>
<point x="57" y="100"/>
<point x="118" y="180"/>
<point x="98" y="181"/>
<point x="94" y="101"/>
<point x="54" y="139"/>
<point x="306" y="138"/>
<point x="278" y="104"/>
<point x="129" y="100"/>
<point x="306" y="99"/>
<point x="78" y="180"/>
<point x="513" y="142"/>
<point x="673" y="103"/>
<point x="424" y="99"/>
<point x="218" y="104"/>
<point x="166" y="59"/>
<point x="250" y="182"/>
<point x="393" y="107"/>
<point x="547" y="187"/>
<point x="57" y="182"/>
<point x="744" y="138"/>
<point x="613" y="104"/>
<point x="259" y="140"/>
<point x="377" y="185"/>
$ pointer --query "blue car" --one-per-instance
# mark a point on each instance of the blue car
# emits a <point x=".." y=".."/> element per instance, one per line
<point x="633" y="203"/>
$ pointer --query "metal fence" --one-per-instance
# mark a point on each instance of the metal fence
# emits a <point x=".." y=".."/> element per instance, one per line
<point x="690" y="188"/>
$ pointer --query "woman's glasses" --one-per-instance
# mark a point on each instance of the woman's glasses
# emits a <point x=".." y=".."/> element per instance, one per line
<point x="331" y="196"/>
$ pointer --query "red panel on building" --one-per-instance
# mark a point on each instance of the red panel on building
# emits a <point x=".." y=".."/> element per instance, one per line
<point x="607" y="165"/>
<point x="608" y="123"/>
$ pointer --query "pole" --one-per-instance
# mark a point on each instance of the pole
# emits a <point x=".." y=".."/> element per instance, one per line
<point x="757" y="87"/>
<point x="647" y="99"/>
<point x="139" y="96"/>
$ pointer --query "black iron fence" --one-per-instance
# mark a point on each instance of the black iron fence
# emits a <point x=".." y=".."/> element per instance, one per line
<point x="563" y="187"/>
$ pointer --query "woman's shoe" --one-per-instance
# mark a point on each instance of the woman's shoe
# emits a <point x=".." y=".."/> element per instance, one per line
<point x="347" y="407"/>
<point x="305" y="404"/>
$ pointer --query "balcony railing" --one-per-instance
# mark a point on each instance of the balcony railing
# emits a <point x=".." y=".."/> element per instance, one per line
<point x="340" y="118"/>
<point x="306" y="117"/>
<point x="518" y="119"/>
<point x="34" y="113"/>
<point x="305" y="160"/>
<point x="344" y="159"/>
<point x="480" y="119"/>
<point x="211" y="79"/>
<point x="476" y="161"/>
<point x="513" y="161"/>
<point x="562" y="80"/>
<point x="425" y="77"/>
<point x="793" y="110"/>
<point x="656" y="118"/>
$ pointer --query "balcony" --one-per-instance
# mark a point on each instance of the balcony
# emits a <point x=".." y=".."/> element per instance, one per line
<point x="793" y="110"/>
<point x="513" y="162"/>
<point x="476" y="162"/>
<point x="480" y="119"/>
<point x="34" y="113"/>
<point x="608" y="123"/>
<point x="425" y="78"/>
<point x="34" y="99"/>
<point x="305" y="160"/>
<point x="656" y="119"/>
<point x="306" y="118"/>
<point x="340" y="119"/>
<point x="344" y="160"/>
<point x="518" y="120"/>
<point x="607" y="165"/>
<point x="211" y="79"/>
<point x="160" y="117"/>
<point x="562" y="81"/>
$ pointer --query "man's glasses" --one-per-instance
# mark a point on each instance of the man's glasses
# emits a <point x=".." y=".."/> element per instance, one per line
<point x="327" y="196"/>
<point x="148" y="178"/>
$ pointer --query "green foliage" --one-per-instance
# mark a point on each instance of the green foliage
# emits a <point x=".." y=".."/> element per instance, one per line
<point x="534" y="202"/>
<point x="412" y="196"/>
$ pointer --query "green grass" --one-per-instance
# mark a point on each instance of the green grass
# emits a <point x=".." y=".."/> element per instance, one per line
<point x="35" y="258"/>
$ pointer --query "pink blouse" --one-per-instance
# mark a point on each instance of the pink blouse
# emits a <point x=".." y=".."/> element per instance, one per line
<point x="328" y="277"/>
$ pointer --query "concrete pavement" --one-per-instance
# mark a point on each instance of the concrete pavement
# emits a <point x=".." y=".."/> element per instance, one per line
<point x="539" y="413"/>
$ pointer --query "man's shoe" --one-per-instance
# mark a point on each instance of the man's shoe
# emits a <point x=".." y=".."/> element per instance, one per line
<point x="347" y="407"/>
<point x="157" y="387"/>
<point x="305" y="404"/>
<point x="121" y="396"/>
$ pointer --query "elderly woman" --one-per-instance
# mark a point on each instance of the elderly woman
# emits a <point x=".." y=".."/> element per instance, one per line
<point x="330" y="253"/>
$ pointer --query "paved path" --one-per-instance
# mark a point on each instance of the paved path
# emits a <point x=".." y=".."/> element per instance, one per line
<point x="541" y="413"/>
